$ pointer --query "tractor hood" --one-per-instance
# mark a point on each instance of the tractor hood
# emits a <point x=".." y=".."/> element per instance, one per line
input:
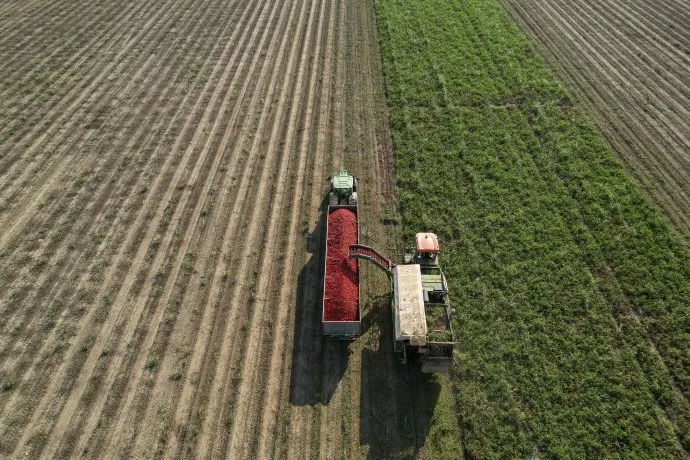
<point x="343" y="182"/>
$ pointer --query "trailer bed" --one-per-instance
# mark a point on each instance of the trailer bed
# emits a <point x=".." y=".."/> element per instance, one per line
<point x="341" y="313"/>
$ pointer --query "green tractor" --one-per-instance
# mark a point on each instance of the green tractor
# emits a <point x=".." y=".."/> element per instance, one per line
<point x="343" y="189"/>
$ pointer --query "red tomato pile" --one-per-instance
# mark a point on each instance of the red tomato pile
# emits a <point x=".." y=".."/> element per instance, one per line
<point x="341" y="294"/>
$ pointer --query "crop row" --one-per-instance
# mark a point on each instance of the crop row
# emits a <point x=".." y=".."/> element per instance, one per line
<point x="570" y="288"/>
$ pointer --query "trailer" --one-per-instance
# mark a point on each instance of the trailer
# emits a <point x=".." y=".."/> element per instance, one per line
<point x="341" y="310"/>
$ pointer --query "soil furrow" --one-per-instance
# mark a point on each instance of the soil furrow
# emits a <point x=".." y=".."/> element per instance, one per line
<point x="670" y="16"/>
<point x="218" y="227"/>
<point x="307" y="342"/>
<point x="205" y="338"/>
<point x="78" y="108"/>
<point x="86" y="195"/>
<point x="47" y="344"/>
<point x="137" y="365"/>
<point x="84" y="199"/>
<point x="130" y="325"/>
<point x="155" y="200"/>
<point x="680" y="144"/>
<point x="28" y="15"/>
<point x="668" y="89"/>
<point x="284" y="321"/>
<point x="71" y="84"/>
<point x="70" y="35"/>
<point x="54" y="86"/>
<point x="41" y="181"/>
<point x="646" y="30"/>
<point x="245" y="291"/>
<point x="102" y="292"/>
<point x="281" y="141"/>
<point x="138" y="368"/>
<point x="334" y="355"/>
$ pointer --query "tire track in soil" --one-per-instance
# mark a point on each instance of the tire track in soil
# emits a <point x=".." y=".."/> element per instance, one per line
<point x="133" y="142"/>
<point x="244" y="189"/>
<point x="673" y="14"/>
<point x="638" y="27"/>
<point x="381" y="365"/>
<point x="629" y="128"/>
<point x="15" y="8"/>
<point x="335" y="430"/>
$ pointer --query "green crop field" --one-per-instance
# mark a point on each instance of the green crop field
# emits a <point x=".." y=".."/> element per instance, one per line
<point x="572" y="293"/>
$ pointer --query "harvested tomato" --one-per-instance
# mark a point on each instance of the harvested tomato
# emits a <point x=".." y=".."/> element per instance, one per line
<point x="341" y="292"/>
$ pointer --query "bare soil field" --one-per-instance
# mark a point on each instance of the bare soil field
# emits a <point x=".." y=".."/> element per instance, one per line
<point x="629" y="62"/>
<point x="163" y="167"/>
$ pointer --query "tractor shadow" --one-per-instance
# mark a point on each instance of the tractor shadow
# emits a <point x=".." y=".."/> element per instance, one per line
<point x="396" y="401"/>
<point x="318" y="364"/>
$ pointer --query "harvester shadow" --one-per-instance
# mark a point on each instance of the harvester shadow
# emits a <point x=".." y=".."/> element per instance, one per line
<point x="396" y="401"/>
<point x="317" y="364"/>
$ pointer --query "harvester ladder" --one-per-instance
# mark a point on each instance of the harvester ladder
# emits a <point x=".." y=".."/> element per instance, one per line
<point x="365" y="252"/>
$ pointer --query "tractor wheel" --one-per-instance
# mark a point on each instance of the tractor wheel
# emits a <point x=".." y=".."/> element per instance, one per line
<point x="353" y="199"/>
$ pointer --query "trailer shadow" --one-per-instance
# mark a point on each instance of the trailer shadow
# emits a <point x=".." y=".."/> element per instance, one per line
<point x="318" y="364"/>
<point x="396" y="401"/>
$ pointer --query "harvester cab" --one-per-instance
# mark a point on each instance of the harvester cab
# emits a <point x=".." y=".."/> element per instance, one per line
<point x="425" y="251"/>
<point x="343" y="189"/>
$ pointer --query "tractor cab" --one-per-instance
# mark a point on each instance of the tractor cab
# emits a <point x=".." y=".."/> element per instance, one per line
<point x="343" y="189"/>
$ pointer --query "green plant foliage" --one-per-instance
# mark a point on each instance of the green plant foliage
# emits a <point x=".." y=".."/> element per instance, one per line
<point x="437" y="324"/>
<point x="572" y="293"/>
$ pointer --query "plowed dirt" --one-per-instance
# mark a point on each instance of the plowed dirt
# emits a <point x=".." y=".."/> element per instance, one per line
<point x="162" y="171"/>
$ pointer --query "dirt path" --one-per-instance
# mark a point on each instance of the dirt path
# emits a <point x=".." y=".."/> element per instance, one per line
<point x="162" y="174"/>
<point x="629" y="62"/>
